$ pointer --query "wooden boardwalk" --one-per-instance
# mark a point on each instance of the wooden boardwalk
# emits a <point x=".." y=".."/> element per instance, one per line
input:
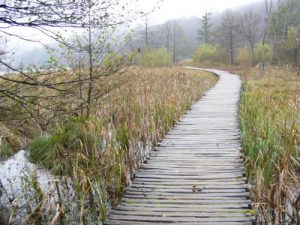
<point x="196" y="174"/>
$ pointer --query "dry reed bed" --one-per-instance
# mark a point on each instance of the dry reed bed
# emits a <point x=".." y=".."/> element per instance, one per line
<point x="270" y="126"/>
<point x="99" y="154"/>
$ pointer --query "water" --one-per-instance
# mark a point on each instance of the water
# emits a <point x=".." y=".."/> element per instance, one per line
<point x="16" y="188"/>
<point x="15" y="169"/>
<point x="15" y="174"/>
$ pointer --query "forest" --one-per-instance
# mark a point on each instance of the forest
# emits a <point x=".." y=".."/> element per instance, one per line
<point x="80" y="114"/>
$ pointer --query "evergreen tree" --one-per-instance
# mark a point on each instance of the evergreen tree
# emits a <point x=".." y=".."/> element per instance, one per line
<point x="204" y="33"/>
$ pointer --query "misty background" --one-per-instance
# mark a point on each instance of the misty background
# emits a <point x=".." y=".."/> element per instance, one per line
<point x="185" y="15"/>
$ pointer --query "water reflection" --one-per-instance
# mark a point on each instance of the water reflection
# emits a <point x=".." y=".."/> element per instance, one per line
<point x="13" y="171"/>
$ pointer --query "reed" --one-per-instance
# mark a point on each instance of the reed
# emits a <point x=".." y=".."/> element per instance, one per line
<point x="101" y="153"/>
<point x="270" y="125"/>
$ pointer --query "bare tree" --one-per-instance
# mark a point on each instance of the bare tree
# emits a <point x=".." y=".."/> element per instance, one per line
<point x="228" y="34"/>
<point x="268" y="13"/>
<point x="167" y="32"/>
<point x="249" y="29"/>
<point x="174" y="40"/>
<point x="283" y="33"/>
<point x="146" y="33"/>
<point x="37" y="91"/>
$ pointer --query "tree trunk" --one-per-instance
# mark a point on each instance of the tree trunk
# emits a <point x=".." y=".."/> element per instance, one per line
<point x="146" y="34"/>
<point x="90" y="87"/>
<point x="80" y="84"/>
<point x="231" y="48"/>
<point x="174" y="43"/>
<point x="252" y="52"/>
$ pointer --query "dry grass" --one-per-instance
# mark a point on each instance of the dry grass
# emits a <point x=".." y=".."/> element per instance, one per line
<point x="100" y="153"/>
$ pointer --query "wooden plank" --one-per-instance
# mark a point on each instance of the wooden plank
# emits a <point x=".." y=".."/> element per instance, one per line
<point x="193" y="181"/>
<point x="206" y="176"/>
<point x="185" y="214"/>
<point x="184" y="195"/>
<point x="185" y="171"/>
<point x="181" y="219"/>
<point x="202" y="159"/>
<point x="192" y="168"/>
<point x="223" y="201"/>
<point x="213" y="186"/>
<point x="122" y="222"/>
<point x="198" y="190"/>
<point x="196" y="173"/>
<point x="154" y="206"/>
<point x="194" y="209"/>
<point x="212" y="183"/>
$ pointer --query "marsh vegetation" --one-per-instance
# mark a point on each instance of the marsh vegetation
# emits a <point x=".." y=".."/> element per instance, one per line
<point x="270" y="123"/>
<point x="95" y="158"/>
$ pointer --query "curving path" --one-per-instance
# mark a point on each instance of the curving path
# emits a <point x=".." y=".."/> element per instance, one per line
<point x="196" y="174"/>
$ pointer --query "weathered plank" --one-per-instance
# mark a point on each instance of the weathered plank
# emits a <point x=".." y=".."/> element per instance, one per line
<point x="122" y="222"/>
<point x="196" y="174"/>
<point x="163" y="218"/>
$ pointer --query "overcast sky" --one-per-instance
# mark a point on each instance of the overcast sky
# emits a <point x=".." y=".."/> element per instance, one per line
<point x="171" y="9"/>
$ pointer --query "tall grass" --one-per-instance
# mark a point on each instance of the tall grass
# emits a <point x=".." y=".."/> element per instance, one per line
<point x="99" y="154"/>
<point x="270" y="125"/>
<point x="14" y="136"/>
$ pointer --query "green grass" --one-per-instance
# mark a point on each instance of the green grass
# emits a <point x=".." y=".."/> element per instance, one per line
<point x="61" y="150"/>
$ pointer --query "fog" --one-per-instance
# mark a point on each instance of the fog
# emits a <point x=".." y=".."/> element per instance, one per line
<point x="20" y="51"/>
<point x="172" y="9"/>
